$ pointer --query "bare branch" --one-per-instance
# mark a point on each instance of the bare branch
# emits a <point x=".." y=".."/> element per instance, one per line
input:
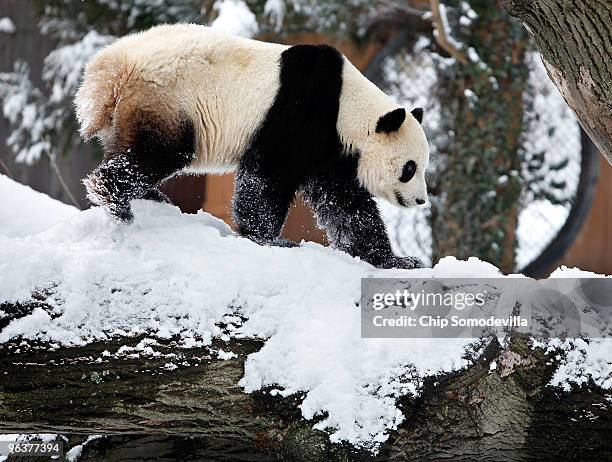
<point x="406" y="9"/>
<point x="60" y="177"/>
<point x="6" y="168"/>
<point x="440" y="33"/>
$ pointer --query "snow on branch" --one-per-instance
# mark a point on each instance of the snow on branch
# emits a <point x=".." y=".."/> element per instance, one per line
<point x="235" y="17"/>
<point x="64" y="66"/>
<point x="36" y="118"/>
<point x="31" y="118"/>
<point x="7" y="26"/>
<point x="442" y="34"/>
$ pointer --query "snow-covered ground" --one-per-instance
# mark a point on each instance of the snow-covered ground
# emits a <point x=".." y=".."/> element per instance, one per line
<point x="170" y="274"/>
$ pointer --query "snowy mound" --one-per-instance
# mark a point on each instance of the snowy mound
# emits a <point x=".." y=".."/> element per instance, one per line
<point x="25" y="211"/>
<point x="174" y="275"/>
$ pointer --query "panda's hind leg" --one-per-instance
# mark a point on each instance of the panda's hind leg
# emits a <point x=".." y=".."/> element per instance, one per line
<point x="157" y="152"/>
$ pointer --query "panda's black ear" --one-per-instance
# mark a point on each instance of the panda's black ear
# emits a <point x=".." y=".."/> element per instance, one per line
<point x="417" y="112"/>
<point x="391" y="121"/>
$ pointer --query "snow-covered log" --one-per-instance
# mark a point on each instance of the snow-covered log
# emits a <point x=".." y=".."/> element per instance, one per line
<point x="173" y="336"/>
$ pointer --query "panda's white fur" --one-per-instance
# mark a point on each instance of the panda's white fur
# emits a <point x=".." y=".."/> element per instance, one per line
<point x="382" y="155"/>
<point x="289" y="119"/>
<point x="188" y="68"/>
<point x="196" y="69"/>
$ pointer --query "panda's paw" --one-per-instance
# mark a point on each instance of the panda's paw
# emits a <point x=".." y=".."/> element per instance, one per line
<point x="284" y="243"/>
<point x="277" y="242"/>
<point x="121" y="212"/>
<point x="97" y="190"/>
<point x="100" y="192"/>
<point x="403" y="263"/>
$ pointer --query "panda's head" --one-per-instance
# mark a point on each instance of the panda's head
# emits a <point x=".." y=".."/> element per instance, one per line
<point x="394" y="158"/>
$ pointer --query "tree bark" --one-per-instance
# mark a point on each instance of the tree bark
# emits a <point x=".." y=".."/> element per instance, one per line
<point x="575" y="40"/>
<point x="194" y="409"/>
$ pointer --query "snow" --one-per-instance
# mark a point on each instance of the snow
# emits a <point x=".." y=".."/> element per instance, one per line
<point x="474" y="57"/>
<point x="183" y="276"/>
<point x="275" y="11"/>
<point x="75" y="452"/>
<point x="108" y="279"/>
<point x="562" y="143"/>
<point x="582" y="361"/>
<point x="25" y="211"/>
<point x="234" y="16"/>
<point x="7" y="26"/>
<point x="43" y="437"/>
<point x="447" y="31"/>
<point x="225" y="355"/>
<point x="469" y="12"/>
<point x="537" y="215"/>
<point x="585" y="361"/>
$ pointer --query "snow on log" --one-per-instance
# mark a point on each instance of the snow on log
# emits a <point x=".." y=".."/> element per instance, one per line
<point x="176" y="327"/>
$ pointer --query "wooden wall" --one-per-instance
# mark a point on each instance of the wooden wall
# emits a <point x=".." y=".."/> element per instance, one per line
<point x="592" y="249"/>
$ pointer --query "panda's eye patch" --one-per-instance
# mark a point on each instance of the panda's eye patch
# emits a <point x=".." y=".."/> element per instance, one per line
<point x="408" y="171"/>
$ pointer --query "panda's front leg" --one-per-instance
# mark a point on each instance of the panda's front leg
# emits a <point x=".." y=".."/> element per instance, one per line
<point x="126" y="176"/>
<point x="115" y="182"/>
<point x="260" y="206"/>
<point x="349" y="215"/>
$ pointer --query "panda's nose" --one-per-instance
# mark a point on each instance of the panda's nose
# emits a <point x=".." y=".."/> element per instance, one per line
<point x="420" y="201"/>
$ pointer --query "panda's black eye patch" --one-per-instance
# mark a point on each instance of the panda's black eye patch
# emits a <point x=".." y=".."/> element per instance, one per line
<point x="408" y="171"/>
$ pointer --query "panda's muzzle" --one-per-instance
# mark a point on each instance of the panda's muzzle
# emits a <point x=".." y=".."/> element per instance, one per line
<point x="400" y="200"/>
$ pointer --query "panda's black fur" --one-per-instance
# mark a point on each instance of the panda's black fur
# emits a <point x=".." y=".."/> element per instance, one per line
<point x="295" y="149"/>
<point x="156" y="153"/>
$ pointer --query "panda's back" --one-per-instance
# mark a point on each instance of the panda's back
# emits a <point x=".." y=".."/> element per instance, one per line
<point x="223" y="83"/>
<point x="166" y="45"/>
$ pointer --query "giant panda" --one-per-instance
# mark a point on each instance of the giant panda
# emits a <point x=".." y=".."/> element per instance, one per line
<point x="287" y="119"/>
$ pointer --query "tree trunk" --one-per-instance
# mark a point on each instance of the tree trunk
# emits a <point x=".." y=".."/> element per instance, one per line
<point x="575" y="40"/>
<point x="186" y="404"/>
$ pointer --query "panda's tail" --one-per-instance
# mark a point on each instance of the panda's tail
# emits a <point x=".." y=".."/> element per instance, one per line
<point x="104" y="81"/>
